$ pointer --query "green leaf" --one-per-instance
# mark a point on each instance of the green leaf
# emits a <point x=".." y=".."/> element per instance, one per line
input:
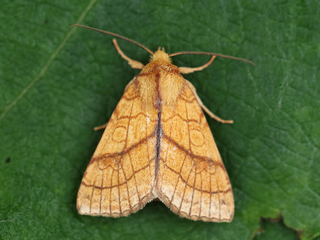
<point x="275" y="230"/>
<point x="57" y="83"/>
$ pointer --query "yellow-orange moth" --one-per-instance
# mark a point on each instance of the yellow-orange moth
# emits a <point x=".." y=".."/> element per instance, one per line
<point x="157" y="144"/>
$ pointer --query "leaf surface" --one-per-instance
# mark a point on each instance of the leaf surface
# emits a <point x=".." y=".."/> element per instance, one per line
<point x="57" y="83"/>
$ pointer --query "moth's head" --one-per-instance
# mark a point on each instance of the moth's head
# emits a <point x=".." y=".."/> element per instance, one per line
<point x="160" y="55"/>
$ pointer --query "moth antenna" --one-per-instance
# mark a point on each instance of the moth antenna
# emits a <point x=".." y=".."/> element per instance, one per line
<point x="115" y="35"/>
<point x="211" y="54"/>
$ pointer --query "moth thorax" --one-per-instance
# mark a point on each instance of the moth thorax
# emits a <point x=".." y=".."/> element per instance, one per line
<point x="160" y="56"/>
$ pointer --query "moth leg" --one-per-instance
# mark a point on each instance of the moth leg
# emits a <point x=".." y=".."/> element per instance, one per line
<point x="204" y="107"/>
<point x="101" y="127"/>
<point x="186" y="70"/>
<point x="132" y="63"/>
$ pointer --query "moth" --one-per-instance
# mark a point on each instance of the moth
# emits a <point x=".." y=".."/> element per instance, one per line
<point x="158" y="145"/>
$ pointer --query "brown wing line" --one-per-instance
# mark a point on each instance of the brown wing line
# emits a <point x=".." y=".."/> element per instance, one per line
<point x="92" y="196"/>
<point x="120" y="154"/>
<point x="113" y="186"/>
<point x="175" y="188"/>
<point x="125" y="176"/>
<point x="189" y="120"/>
<point x="132" y="207"/>
<point x="189" y="153"/>
<point x="193" y="187"/>
<point x="184" y="192"/>
<point x="133" y="117"/>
